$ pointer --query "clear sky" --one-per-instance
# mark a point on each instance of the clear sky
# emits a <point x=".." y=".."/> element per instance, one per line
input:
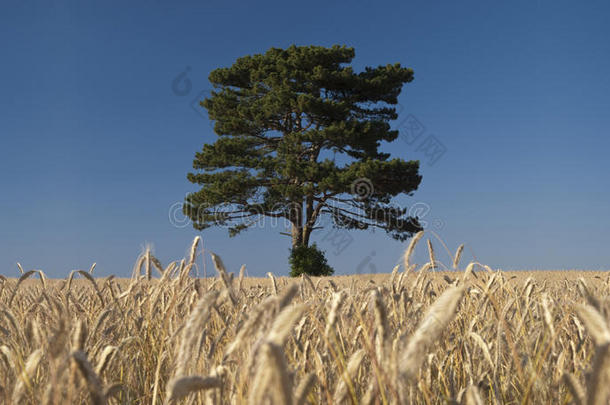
<point x="95" y="143"/>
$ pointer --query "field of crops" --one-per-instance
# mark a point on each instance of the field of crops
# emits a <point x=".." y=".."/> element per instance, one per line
<point x="469" y="336"/>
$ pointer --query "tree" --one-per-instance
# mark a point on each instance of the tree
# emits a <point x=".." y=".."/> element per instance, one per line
<point x="309" y="260"/>
<point x="299" y="134"/>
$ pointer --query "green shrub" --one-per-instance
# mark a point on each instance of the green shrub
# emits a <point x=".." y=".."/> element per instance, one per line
<point x="309" y="260"/>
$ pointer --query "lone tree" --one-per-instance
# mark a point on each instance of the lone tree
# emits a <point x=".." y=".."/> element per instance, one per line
<point x="298" y="136"/>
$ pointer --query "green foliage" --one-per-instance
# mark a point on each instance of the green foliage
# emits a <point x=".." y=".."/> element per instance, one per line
<point x="297" y="128"/>
<point x="309" y="260"/>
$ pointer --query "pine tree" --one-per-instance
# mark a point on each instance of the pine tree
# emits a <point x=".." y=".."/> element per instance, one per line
<point x="299" y="134"/>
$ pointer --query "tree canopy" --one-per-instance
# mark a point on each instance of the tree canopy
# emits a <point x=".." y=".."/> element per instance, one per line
<point x="299" y="136"/>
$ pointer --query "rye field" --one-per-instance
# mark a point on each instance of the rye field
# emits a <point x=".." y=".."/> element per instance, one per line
<point x="472" y="335"/>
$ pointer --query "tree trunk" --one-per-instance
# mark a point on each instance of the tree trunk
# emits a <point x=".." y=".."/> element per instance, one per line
<point x="303" y="226"/>
<point x="307" y="226"/>
<point x="306" y="234"/>
<point x="296" y="217"/>
<point x="297" y="236"/>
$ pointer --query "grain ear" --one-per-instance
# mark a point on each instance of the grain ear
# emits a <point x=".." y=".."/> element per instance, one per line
<point x="409" y="252"/>
<point x="182" y="386"/>
<point x="437" y="318"/>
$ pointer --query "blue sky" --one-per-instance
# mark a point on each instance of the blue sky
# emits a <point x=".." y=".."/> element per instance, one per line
<point x="95" y="145"/>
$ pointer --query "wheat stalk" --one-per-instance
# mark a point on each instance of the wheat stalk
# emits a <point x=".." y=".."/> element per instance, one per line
<point x="458" y="256"/>
<point x="409" y="252"/>
<point x="181" y="387"/>
<point x="432" y="256"/>
<point x="436" y="319"/>
<point x="26" y="375"/>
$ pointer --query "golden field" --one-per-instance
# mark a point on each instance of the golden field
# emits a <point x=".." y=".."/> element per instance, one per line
<point x="469" y="336"/>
